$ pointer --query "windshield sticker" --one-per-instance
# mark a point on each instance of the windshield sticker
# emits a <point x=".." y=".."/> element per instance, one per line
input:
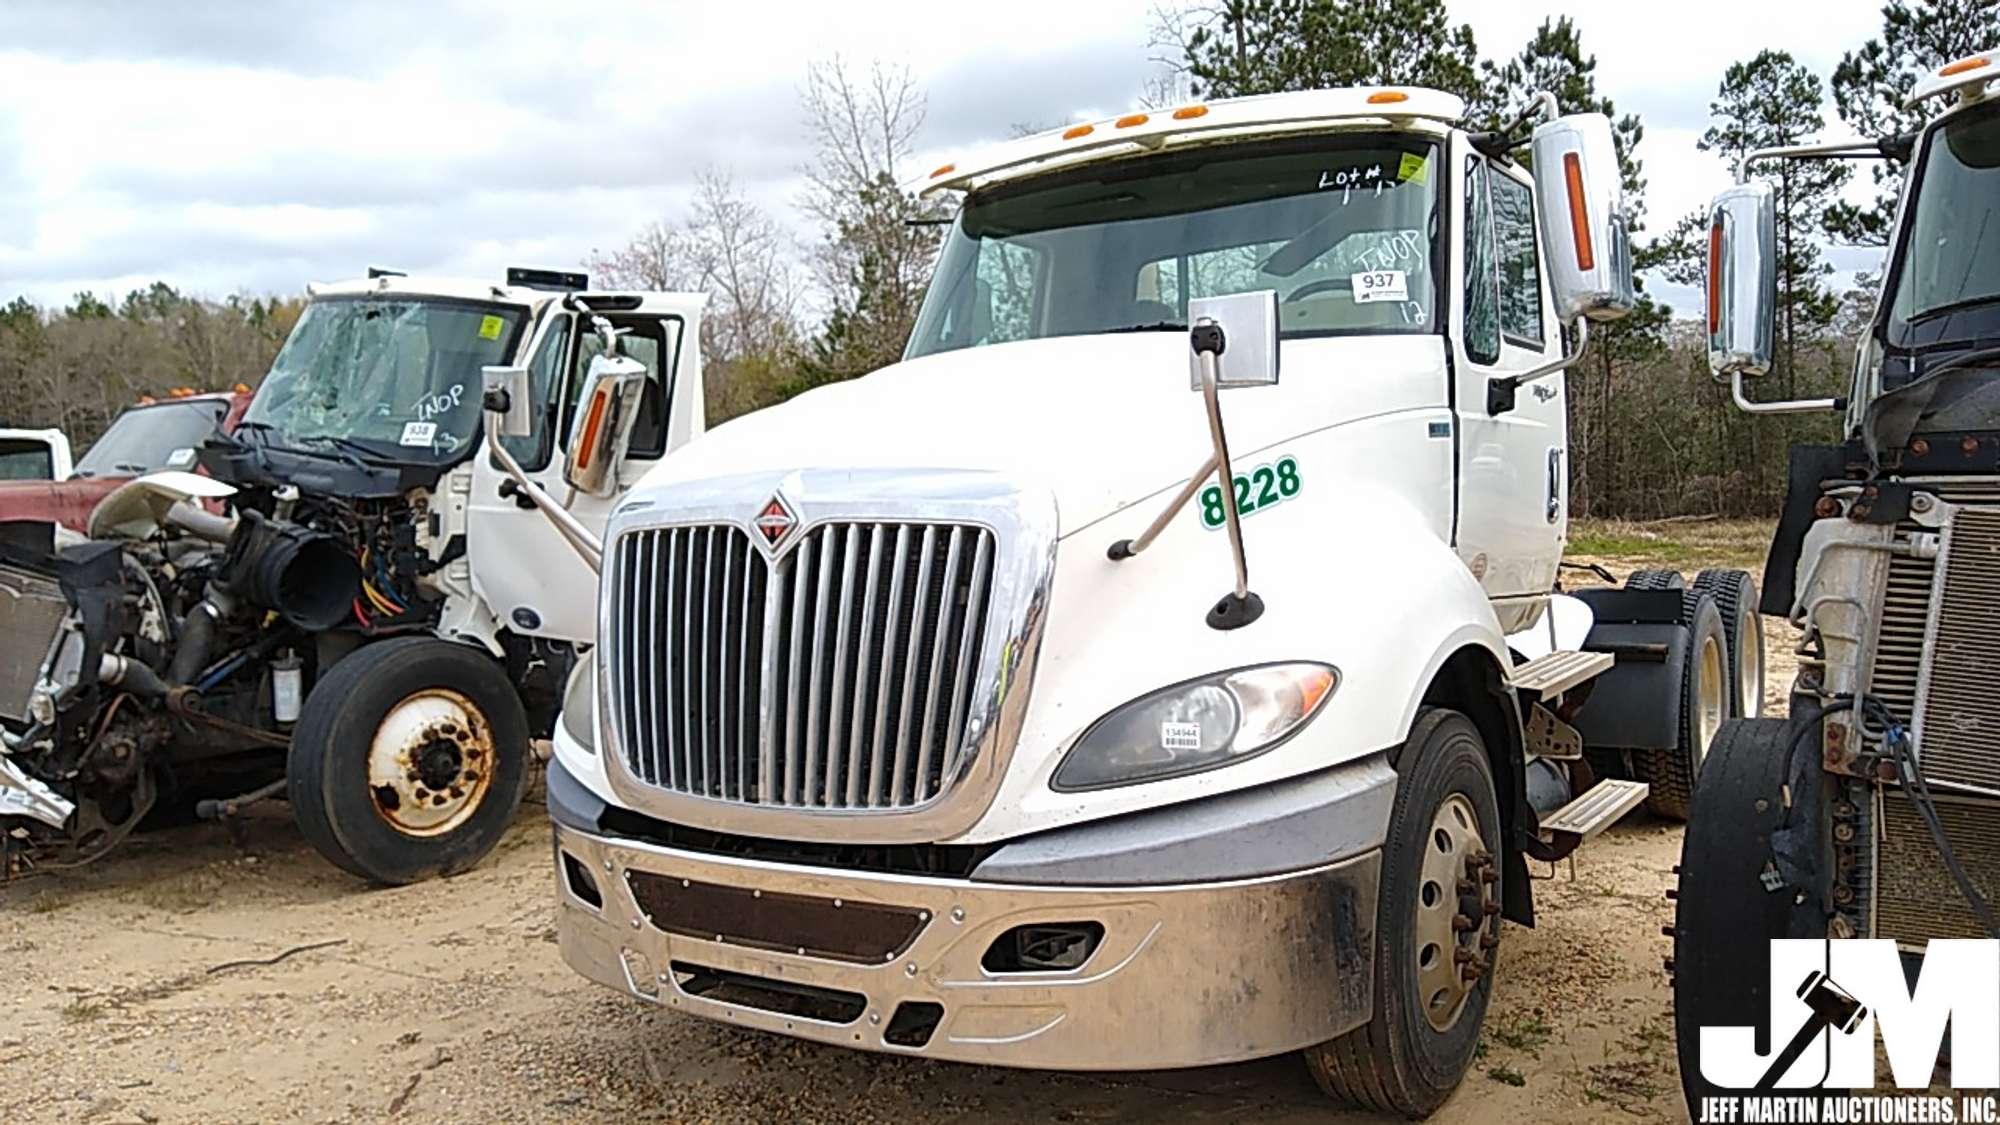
<point x="1413" y="168"/>
<point x="1380" y="285"/>
<point x="418" y="433"/>
<point x="430" y="406"/>
<point x="180" y="458"/>
<point x="1263" y="487"/>
<point x="489" y="327"/>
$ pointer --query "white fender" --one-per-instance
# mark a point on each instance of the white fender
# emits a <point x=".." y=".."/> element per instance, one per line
<point x="136" y="508"/>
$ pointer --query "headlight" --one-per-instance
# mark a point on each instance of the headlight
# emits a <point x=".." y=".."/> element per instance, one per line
<point x="1197" y="725"/>
<point x="579" y="700"/>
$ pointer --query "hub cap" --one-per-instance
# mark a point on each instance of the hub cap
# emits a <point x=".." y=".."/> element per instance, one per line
<point x="1711" y="695"/>
<point x="1458" y="908"/>
<point x="431" y="762"/>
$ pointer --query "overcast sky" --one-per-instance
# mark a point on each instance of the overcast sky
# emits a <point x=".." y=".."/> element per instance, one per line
<point x="258" y="146"/>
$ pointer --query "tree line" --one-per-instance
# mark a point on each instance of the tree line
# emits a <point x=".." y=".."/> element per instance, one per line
<point x="1651" y="433"/>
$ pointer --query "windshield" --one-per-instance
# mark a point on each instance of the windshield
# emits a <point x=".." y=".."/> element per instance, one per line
<point x="148" y="438"/>
<point x="1951" y="256"/>
<point x="397" y="376"/>
<point x="1341" y="227"/>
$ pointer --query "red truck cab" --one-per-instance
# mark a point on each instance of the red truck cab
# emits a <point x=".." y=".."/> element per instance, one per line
<point x="151" y="436"/>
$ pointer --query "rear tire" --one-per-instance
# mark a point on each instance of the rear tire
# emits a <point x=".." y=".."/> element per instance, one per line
<point x="1735" y="594"/>
<point x="409" y="760"/>
<point x="1432" y="981"/>
<point x="1725" y="918"/>
<point x="1707" y="702"/>
<point x="1655" y="580"/>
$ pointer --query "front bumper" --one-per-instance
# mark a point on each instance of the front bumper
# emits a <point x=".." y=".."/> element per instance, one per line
<point x="1183" y="976"/>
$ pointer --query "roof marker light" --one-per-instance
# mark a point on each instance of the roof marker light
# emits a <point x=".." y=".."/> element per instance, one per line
<point x="1963" y="65"/>
<point x="1387" y="97"/>
<point x="1131" y="119"/>
<point x="943" y="169"/>
<point x="1190" y="112"/>
<point x="1075" y="131"/>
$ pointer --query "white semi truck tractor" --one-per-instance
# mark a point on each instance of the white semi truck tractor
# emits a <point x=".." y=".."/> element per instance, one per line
<point x="1870" y="810"/>
<point x="1027" y="702"/>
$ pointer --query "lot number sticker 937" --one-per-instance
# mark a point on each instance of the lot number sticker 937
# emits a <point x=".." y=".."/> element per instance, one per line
<point x="1262" y="487"/>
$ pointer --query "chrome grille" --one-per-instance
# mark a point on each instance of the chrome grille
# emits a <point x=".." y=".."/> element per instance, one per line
<point x="838" y="676"/>
<point x="1956" y="727"/>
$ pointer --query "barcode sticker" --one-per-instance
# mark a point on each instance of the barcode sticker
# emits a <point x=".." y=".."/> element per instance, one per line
<point x="1380" y="285"/>
<point x="1180" y="736"/>
<point x="418" y="433"/>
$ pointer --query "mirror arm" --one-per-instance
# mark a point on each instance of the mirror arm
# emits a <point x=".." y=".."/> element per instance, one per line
<point x="573" y="532"/>
<point x="1500" y="389"/>
<point x="1794" y="406"/>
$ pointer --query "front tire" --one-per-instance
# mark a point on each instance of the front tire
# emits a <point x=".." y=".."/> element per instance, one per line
<point x="409" y="760"/>
<point x="1437" y="929"/>
<point x="1724" y="917"/>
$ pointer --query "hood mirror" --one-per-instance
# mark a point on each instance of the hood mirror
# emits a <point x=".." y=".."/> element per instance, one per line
<point x="506" y="401"/>
<point x="1232" y="342"/>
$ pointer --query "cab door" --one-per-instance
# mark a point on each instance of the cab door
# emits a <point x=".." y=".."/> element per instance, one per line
<point x="1513" y="465"/>
<point x="521" y="565"/>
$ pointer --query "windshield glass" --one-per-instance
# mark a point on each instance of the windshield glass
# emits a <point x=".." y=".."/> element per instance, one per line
<point x="148" y="438"/>
<point x="398" y="376"/>
<point x="1951" y="259"/>
<point x="1341" y="227"/>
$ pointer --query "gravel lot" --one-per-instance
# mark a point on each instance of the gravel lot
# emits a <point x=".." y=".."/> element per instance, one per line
<point x="448" y="1002"/>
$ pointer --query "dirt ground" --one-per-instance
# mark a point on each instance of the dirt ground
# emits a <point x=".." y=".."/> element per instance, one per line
<point x="139" y="991"/>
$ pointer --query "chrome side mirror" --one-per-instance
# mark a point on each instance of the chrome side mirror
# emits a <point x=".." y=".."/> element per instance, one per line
<point x="614" y="386"/>
<point x="1578" y="192"/>
<point x="505" y="398"/>
<point x="1742" y="280"/>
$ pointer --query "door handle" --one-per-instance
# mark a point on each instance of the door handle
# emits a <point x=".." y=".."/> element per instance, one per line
<point x="1555" y="484"/>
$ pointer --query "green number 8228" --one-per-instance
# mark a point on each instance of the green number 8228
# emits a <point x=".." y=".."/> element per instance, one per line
<point x="1256" y="490"/>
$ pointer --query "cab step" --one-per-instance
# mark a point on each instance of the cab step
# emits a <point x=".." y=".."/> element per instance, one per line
<point x="1550" y="675"/>
<point x="1603" y="806"/>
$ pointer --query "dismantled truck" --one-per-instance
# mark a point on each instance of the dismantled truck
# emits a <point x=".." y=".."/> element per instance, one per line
<point x="364" y="602"/>
<point x="1014" y="705"/>
<point x="1871" y="810"/>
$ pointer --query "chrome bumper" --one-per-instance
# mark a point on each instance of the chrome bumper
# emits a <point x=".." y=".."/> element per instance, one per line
<point x="1185" y="975"/>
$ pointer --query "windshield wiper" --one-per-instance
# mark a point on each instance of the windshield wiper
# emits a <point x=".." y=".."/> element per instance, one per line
<point x="349" y="450"/>
<point x="1156" y="326"/>
<point x="1950" y="307"/>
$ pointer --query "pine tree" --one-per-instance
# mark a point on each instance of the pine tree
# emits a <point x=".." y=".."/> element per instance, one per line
<point x="1269" y="46"/>
<point x="1872" y="83"/>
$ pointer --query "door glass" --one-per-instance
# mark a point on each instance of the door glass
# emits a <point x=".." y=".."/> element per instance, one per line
<point x="654" y="342"/>
<point x="1482" y="299"/>
<point x="1520" y="272"/>
<point x="545" y="373"/>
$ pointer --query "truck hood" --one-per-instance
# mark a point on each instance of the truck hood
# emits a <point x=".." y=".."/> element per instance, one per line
<point x="66" y="502"/>
<point x="1102" y="422"/>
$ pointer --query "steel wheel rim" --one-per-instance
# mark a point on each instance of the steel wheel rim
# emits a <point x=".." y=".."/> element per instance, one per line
<point x="1750" y="664"/>
<point x="430" y="764"/>
<point x="1456" y="884"/>
<point x="1711" y="694"/>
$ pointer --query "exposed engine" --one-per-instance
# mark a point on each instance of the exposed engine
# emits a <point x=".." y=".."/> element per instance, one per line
<point x="172" y="659"/>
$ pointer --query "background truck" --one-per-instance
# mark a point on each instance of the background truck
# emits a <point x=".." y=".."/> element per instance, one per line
<point x="30" y="455"/>
<point x="152" y="436"/>
<point x="946" y="712"/>
<point x="353" y="604"/>
<point x="1870" y="810"/>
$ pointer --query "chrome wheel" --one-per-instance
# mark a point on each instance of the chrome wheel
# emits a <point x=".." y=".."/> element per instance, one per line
<point x="1457" y="908"/>
<point x="430" y="763"/>
<point x="1711" y="693"/>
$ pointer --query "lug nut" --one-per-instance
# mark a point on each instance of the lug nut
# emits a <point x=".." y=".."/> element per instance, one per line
<point x="1461" y="923"/>
<point x="1490" y="909"/>
<point x="1489" y="876"/>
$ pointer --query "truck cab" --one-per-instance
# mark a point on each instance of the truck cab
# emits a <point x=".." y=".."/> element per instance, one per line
<point x="366" y="598"/>
<point x="1013" y="704"/>
<point x="1868" y="810"/>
